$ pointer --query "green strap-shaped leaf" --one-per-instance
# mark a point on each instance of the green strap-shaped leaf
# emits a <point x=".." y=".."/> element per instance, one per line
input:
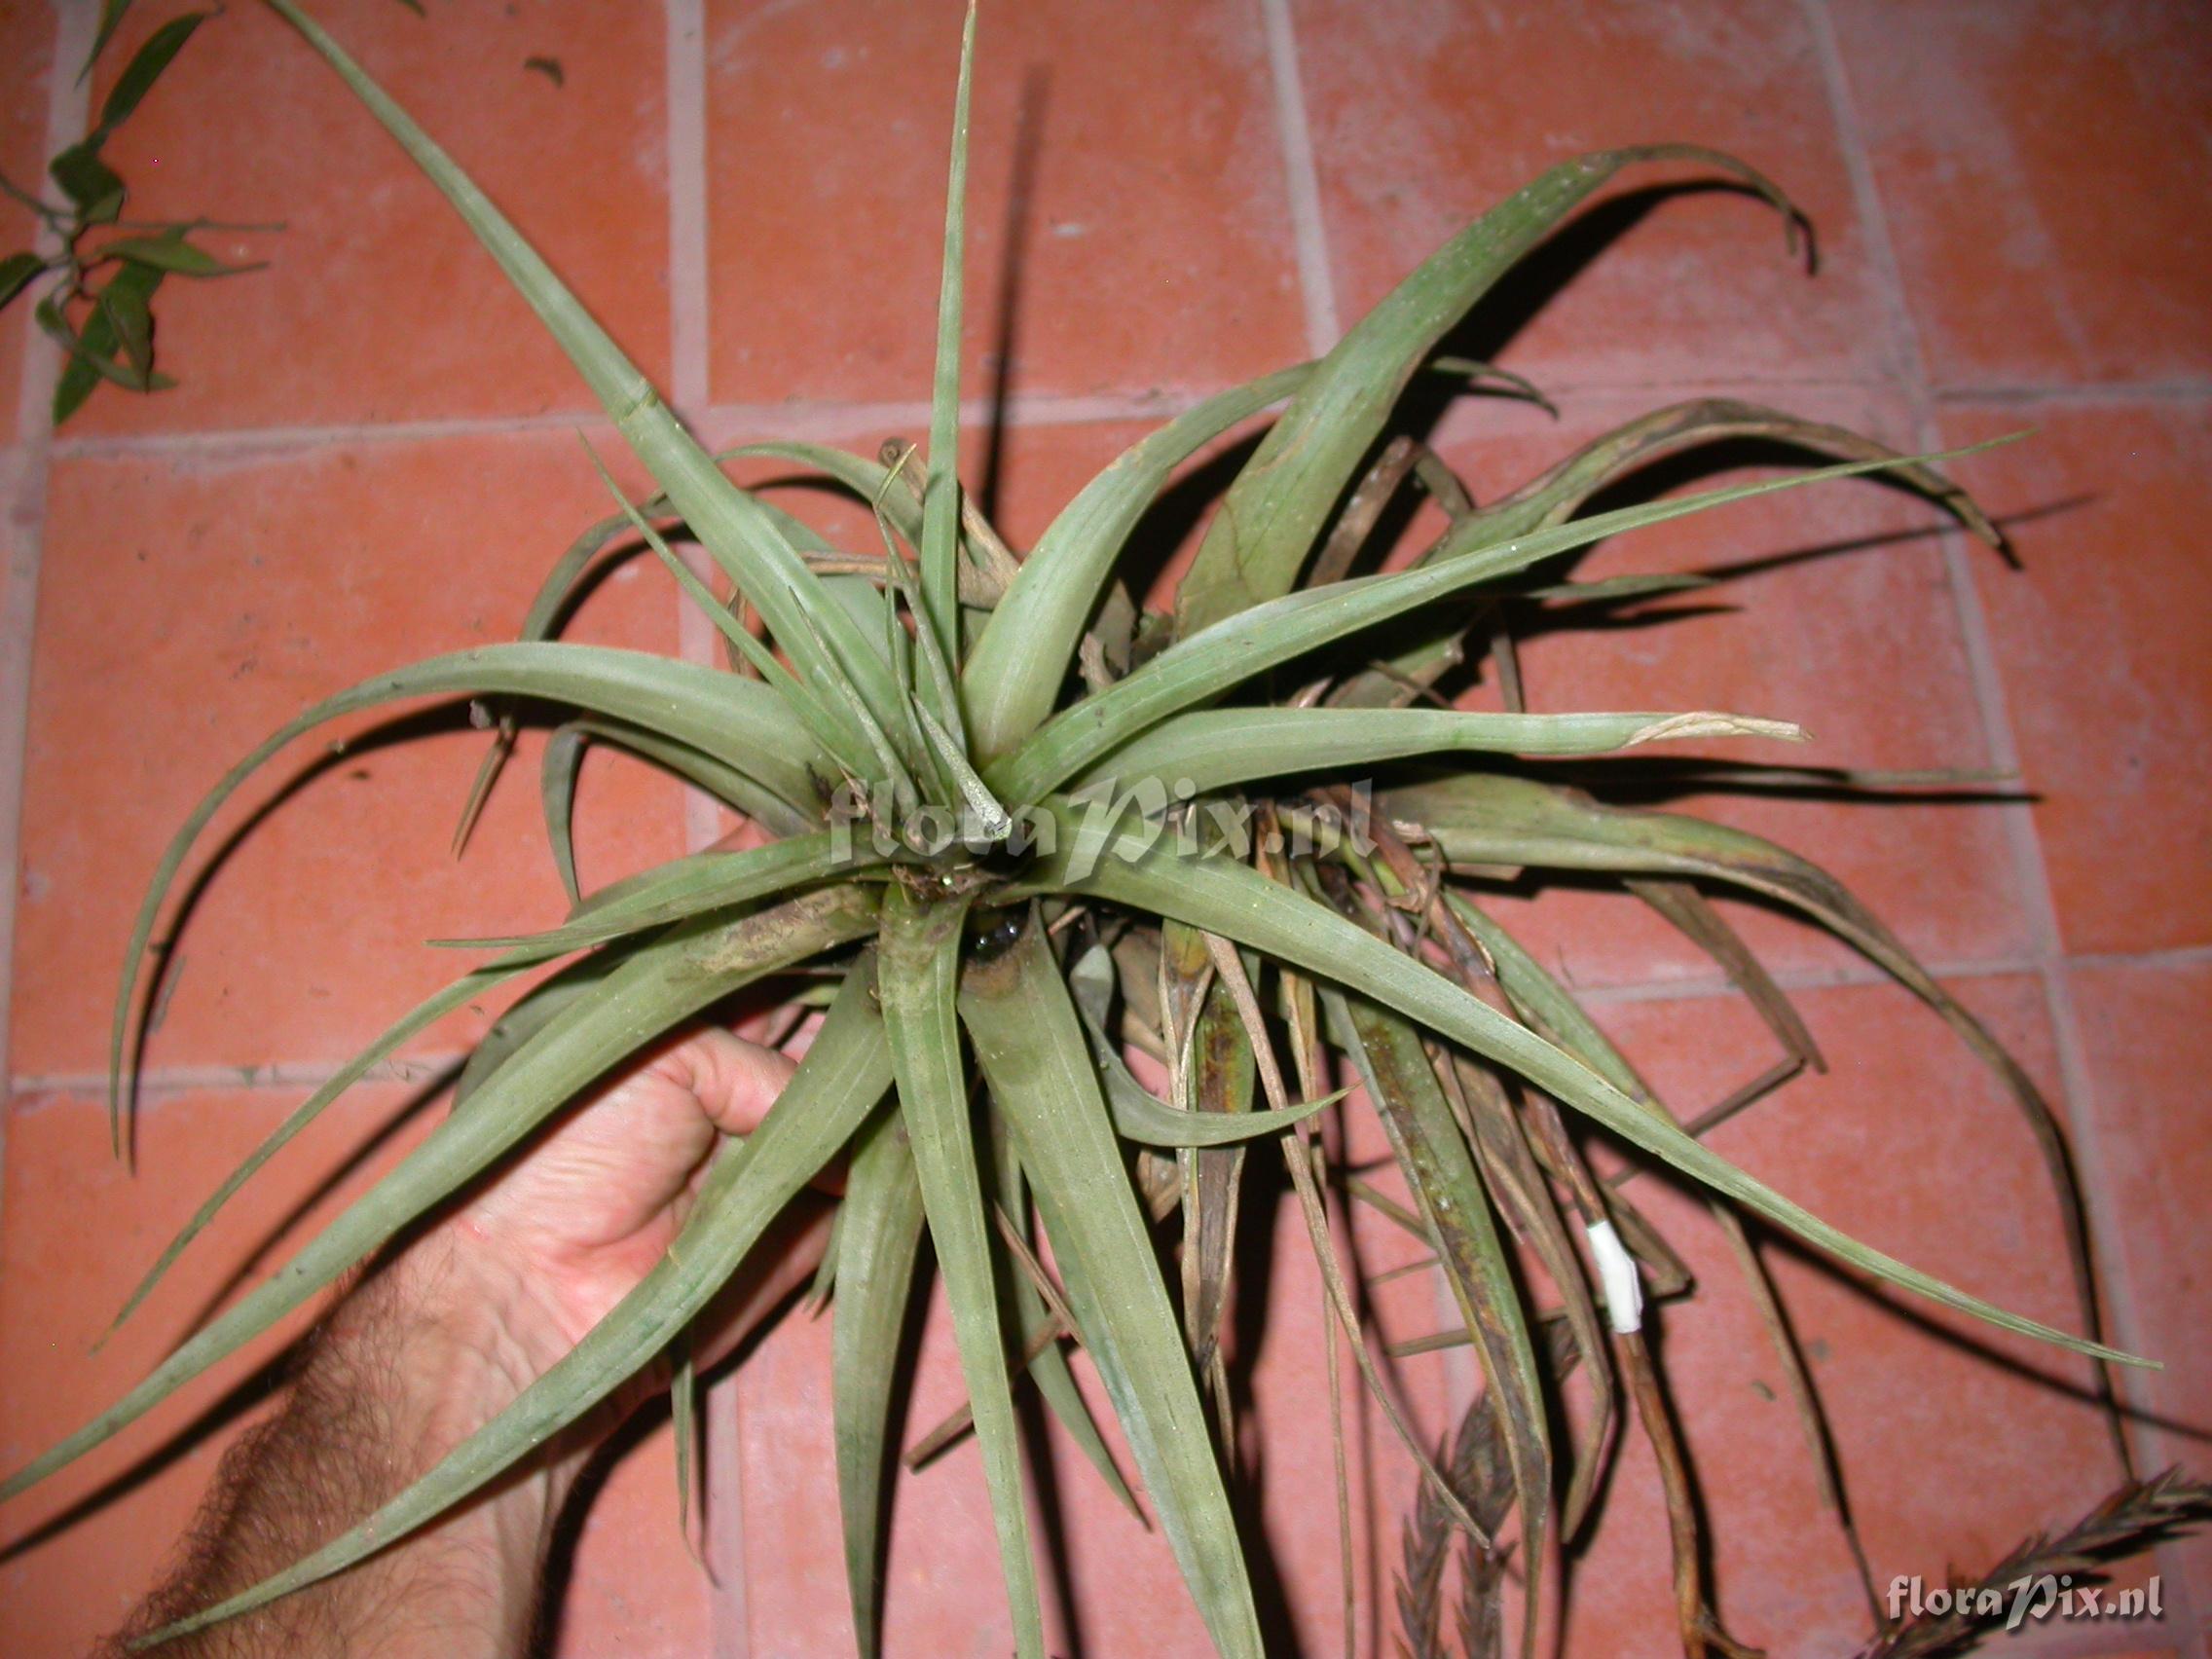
<point x="145" y="67"/>
<point x="1440" y="1174"/>
<point x="423" y="1015"/>
<point x="879" y="1235"/>
<point x="1478" y="818"/>
<point x="826" y="721"/>
<point x="1560" y="493"/>
<point x="562" y="760"/>
<point x="557" y="771"/>
<point x="1032" y="1050"/>
<point x="529" y="1015"/>
<point x="718" y="778"/>
<point x="560" y="583"/>
<point x="941" y="503"/>
<point x="1490" y="818"/>
<point x="1551" y="1007"/>
<point x="919" y="975"/>
<point x="540" y="621"/>
<point x="745" y="541"/>
<point x="866" y="478"/>
<point x="1033" y="1326"/>
<point x="1015" y="674"/>
<point x="876" y="486"/>
<point x="1197" y="669"/>
<point x="1139" y="1113"/>
<point x="1272" y="517"/>
<point x="841" y="1078"/>
<point x="1679" y="426"/>
<point x="824" y="1284"/>
<point x="736" y="720"/>
<point x="1230" y="900"/>
<point x="661" y="985"/>
<point x="684" y="1410"/>
<point x="1142" y="1117"/>
<point x="689" y="887"/>
<point x="1211" y="748"/>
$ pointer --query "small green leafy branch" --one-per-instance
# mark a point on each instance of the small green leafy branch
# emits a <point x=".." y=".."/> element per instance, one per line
<point x="106" y="269"/>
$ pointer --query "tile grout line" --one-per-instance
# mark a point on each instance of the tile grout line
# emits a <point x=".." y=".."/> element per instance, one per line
<point x="67" y="102"/>
<point x="1301" y="179"/>
<point x="1317" y="288"/>
<point x="2023" y="841"/>
<point x="688" y="321"/>
<point x="247" y="442"/>
<point x="833" y="418"/>
<point x="690" y="389"/>
<point x="277" y="1076"/>
<point x="1317" y="294"/>
<point x="2172" y="956"/>
<point x="794" y="419"/>
<point x="2087" y="392"/>
<point x="1858" y="973"/>
<point x="284" y="1075"/>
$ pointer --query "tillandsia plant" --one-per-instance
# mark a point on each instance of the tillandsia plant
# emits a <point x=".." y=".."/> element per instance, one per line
<point x="1016" y="831"/>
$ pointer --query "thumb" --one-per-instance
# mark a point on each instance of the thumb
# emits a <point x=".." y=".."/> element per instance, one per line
<point x="733" y="1081"/>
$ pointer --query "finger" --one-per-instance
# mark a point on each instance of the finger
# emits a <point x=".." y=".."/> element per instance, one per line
<point x="771" y="1027"/>
<point x="802" y="1038"/>
<point x="734" y="1082"/>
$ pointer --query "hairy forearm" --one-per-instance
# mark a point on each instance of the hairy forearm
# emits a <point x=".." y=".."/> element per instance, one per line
<point x="418" y="1356"/>
<point x="442" y="1340"/>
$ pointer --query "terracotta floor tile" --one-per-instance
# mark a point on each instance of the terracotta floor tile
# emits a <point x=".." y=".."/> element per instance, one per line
<point x="2036" y="164"/>
<point x="57" y="1298"/>
<point x="27" y="52"/>
<point x="1023" y="481"/>
<point x="1023" y="477"/>
<point x="1425" y="115"/>
<point x="2100" y="642"/>
<point x="942" y="1579"/>
<point x="1858" y="642"/>
<point x="632" y="1588"/>
<point x="2143" y="1036"/>
<point x="271" y="581"/>
<point x="378" y="305"/>
<point x="629" y="1585"/>
<point x="1950" y="1453"/>
<point x="1125" y="166"/>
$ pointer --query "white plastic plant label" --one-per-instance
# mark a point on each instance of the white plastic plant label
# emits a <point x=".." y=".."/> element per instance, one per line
<point x="1617" y="1277"/>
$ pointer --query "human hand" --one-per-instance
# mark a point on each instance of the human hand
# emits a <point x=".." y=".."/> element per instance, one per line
<point x="447" y="1335"/>
<point x="584" y="1215"/>
<point x="569" y="1229"/>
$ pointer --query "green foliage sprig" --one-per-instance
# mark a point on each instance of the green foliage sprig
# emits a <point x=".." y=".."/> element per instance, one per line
<point x="99" y="307"/>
